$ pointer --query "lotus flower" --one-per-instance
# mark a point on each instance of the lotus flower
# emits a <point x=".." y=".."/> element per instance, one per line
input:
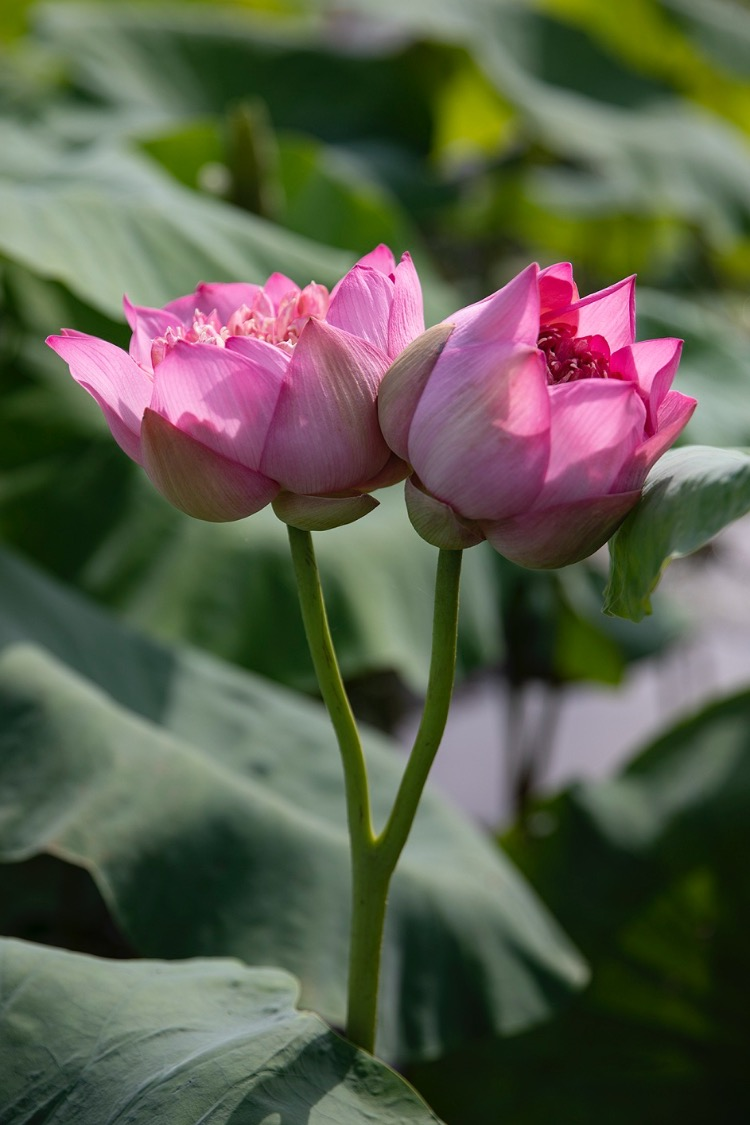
<point x="238" y="395"/>
<point x="532" y="418"/>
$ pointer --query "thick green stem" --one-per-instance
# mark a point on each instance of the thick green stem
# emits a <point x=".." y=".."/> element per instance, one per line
<point x="370" y="882"/>
<point x="374" y="859"/>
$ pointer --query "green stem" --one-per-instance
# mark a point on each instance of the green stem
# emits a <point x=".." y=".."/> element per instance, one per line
<point x="370" y="882"/>
<point x="435" y="714"/>
<point x="374" y="859"/>
<point x="331" y="685"/>
<point x="368" y="893"/>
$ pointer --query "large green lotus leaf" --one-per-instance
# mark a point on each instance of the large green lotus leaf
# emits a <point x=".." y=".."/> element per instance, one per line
<point x="690" y="495"/>
<point x="648" y="872"/>
<point x="209" y="807"/>
<point x="85" y="1041"/>
<point x="106" y="221"/>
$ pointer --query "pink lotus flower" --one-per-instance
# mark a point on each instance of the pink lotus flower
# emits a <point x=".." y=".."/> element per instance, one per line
<point x="532" y="418"/>
<point x="238" y="395"/>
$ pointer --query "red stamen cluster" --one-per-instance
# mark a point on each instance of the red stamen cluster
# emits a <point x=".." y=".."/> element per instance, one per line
<point x="570" y="357"/>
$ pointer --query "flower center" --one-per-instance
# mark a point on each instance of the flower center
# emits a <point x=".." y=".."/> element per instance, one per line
<point x="277" y="322"/>
<point x="570" y="357"/>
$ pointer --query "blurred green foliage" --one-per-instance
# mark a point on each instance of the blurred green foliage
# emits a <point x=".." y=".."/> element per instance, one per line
<point x="147" y="146"/>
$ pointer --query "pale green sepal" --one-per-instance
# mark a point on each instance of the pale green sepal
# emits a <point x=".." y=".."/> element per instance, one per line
<point x="198" y="480"/>
<point x="321" y="513"/>
<point x="437" y="522"/>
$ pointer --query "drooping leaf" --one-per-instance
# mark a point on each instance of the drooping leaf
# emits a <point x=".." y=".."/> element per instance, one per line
<point x="85" y="1041"/>
<point x="646" y="870"/>
<point x="209" y="807"/>
<point x="105" y="222"/>
<point x="690" y="495"/>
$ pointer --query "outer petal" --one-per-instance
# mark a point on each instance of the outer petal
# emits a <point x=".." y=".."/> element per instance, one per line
<point x="407" y="310"/>
<point x="380" y="259"/>
<point x="609" y="313"/>
<point x="361" y="305"/>
<point x="561" y="535"/>
<point x="557" y="288"/>
<point x="479" y="439"/>
<point x="512" y="313"/>
<point x="198" y="481"/>
<point x="595" y="428"/>
<point x="223" y="397"/>
<point x="393" y="472"/>
<point x="118" y="384"/>
<point x="651" y="364"/>
<point x="403" y="384"/>
<point x="325" y="435"/>
<point x="674" y="415"/>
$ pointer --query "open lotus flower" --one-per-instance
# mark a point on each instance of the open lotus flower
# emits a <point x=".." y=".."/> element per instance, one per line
<point x="238" y="395"/>
<point x="532" y="418"/>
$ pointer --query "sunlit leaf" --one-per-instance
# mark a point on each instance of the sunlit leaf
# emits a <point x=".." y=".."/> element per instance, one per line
<point x="84" y="1041"/>
<point x="690" y="495"/>
<point x="209" y="806"/>
<point x="106" y="222"/>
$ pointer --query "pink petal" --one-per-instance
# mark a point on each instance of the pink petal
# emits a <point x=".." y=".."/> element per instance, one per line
<point x="512" y="313"/>
<point x="325" y="435"/>
<point x="277" y="287"/>
<point x="560" y="535"/>
<point x="609" y="313"/>
<point x="403" y="384"/>
<point x="380" y="259"/>
<point x="479" y="439"/>
<point x="595" y="427"/>
<point x="557" y="288"/>
<point x="196" y="479"/>
<point x="652" y="365"/>
<point x="118" y="384"/>
<point x="393" y="472"/>
<point x="147" y="324"/>
<point x="674" y="415"/>
<point x="407" y="310"/>
<point x="225" y="297"/>
<point x="361" y="305"/>
<point x="223" y="397"/>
